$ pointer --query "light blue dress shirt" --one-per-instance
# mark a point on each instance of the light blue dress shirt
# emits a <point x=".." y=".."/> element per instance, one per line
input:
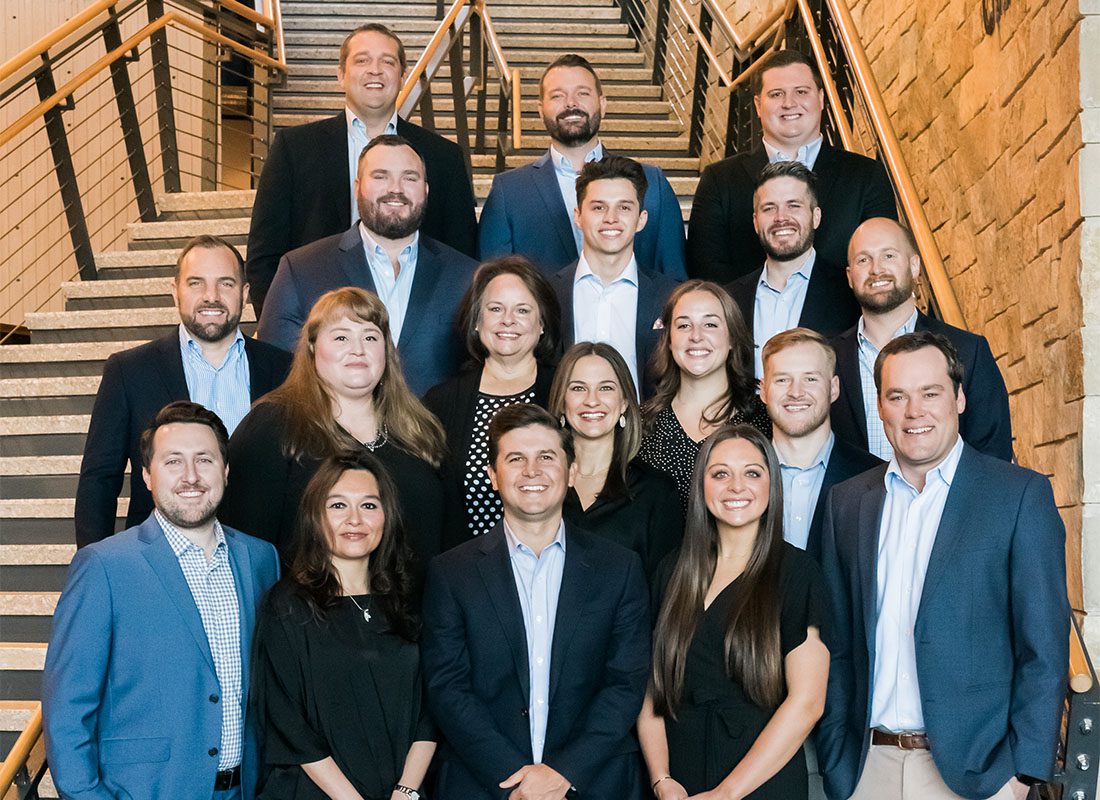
<point x="225" y="390"/>
<point x="806" y="154"/>
<point x="392" y="290"/>
<point x="567" y="183"/>
<point x="357" y="140"/>
<point x="877" y="443"/>
<point x="538" y="583"/>
<point x="608" y="312"/>
<point x="801" y="488"/>
<point x="778" y="310"/>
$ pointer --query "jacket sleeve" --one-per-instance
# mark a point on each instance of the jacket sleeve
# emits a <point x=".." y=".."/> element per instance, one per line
<point x="460" y="219"/>
<point x="670" y="232"/>
<point x="987" y="423"/>
<point x="106" y="451"/>
<point x="270" y="230"/>
<point x="284" y="314"/>
<point x="878" y="198"/>
<point x="495" y="229"/>
<point x="709" y="247"/>
<point x="258" y="476"/>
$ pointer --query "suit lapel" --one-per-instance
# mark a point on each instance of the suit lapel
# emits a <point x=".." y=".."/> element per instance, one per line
<point x="576" y="582"/>
<point x="851" y="396"/>
<point x="954" y="522"/>
<point x="353" y="261"/>
<point x="743" y="293"/>
<point x="834" y="474"/>
<point x="870" y="521"/>
<point x="244" y="576"/>
<point x="563" y="285"/>
<point x="170" y="367"/>
<point x="825" y="170"/>
<point x="428" y="269"/>
<point x="496" y="572"/>
<point x="334" y="172"/>
<point x="557" y="215"/>
<point x="259" y="370"/>
<point x="649" y="308"/>
<point x="819" y="304"/>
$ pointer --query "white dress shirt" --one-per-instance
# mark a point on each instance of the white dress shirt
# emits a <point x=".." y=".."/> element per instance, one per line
<point x="877" y="443"/>
<point x="801" y="488"/>
<point x="778" y="310"/>
<point x="608" y="312"/>
<point x="567" y="184"/>
<point x="806" y="154"/>
<point x="357" y="140"/>
<point x="910" y="521"/>
<point x="393" y="290"/>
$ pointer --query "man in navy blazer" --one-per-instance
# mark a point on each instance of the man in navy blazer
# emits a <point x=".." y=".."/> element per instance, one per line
<point x="420" y="281"/>
<point x="529" y="210"/>
<point x="535" y="647"/>
<point x="605" y="296"/>
<point x="145" y="689"/>
<point x="208" y="360"/>
<point x="947" y="574"/>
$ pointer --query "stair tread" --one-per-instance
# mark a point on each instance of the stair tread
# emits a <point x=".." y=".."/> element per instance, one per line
<point x="28" y="604"/>
<point x="22" y="655"/>
<point x="68" y="385"/>
<point x="38" y="554"/>
<point x="48" y="508"/>
<point x="109" y="318"/>
<point x="63" y="351"/>
<point x="188" y="228"/>
<point x="50" y="425"/>
<point x="39" y="465"/>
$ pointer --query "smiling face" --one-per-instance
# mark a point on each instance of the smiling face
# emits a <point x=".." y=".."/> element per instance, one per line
<point x="594" y="399"/>
<point x="571" y="105"/>
<point x="350" y="357"/>
<point x="354" y="517"/>
<point x="210" y="294"/>
<point x="609" y="216"/>
<point x="509" y="323"/>
<point x="736" y="484"/>
<point x="699" y="339"/>
<point x="186" y="474"/>
<point x="789" y="106"/>
<point x="799" y="388"/>
<point x="371" y="76"/>
<point x="391" y="191"/>
<point x="882" y="266"/>
<point x="531" y="473"/>
<point x="785" y="217"/>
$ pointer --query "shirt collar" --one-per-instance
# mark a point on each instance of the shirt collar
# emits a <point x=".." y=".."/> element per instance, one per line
<point x="630" y="274"/>
<point x="354" y="123"/>
<point x="908" y="326"/>
<point x="188" y="343"/>
<point x="820" y="460"/>
<point x="515" y="544"/>
<point x="372" y="245"/>
<point x="944" y="471"/>
<point x="179" y="543"/>
<point x="563" y="163"/>
<point x="806" y="154"/>
<point x="803" y="272"/>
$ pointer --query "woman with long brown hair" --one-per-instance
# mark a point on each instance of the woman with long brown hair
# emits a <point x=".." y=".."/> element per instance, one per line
<point x="345" y="392"/>
<point x="336" y="684"/>
<point x="705" y="379"/>
<point x="739" y="660"/>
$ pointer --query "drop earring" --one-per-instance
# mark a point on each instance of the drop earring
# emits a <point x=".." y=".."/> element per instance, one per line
<point x="561" y="420"/>
<point x="622" y="420"/>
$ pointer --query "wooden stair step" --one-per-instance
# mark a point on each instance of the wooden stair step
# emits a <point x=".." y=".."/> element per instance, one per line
<point x="28" y="604"/>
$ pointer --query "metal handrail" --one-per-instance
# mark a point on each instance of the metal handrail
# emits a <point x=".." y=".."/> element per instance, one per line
<point x="16" y="759"/>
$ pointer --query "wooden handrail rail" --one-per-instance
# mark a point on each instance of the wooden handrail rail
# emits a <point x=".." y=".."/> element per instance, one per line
<point x="743" y="43"/>
<point x="20" y="751"/>
<point x="276" y="14"/>
<point x="831" y="92"/>
<point x="249" y="13"/>
<point x="1080" y="675"/>
<point x="105" y="61"/>
<point x="58" y="34"/>
<point x="517" y="109"/>
<point x="429" y="51"/>
<point x="700" y="40"/>
<point x="494" y="45"/>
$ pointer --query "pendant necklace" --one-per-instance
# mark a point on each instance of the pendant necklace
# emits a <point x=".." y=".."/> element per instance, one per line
<point x="366" y="611"/>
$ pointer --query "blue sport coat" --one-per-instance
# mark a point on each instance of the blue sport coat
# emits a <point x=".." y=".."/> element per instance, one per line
<point x="525" y="214"/>
<point x="990" y="633"/>
<point x="131" y="702"/>
<point x="429" y="347"/>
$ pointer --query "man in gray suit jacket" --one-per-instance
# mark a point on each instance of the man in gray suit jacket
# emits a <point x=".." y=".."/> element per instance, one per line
<point x="420" y="281"/>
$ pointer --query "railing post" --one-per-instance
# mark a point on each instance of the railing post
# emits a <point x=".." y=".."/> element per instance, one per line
<point x="458" y="91"/>
<point x="128" y="119"/>
<point x="479" y="68"/>
<point x="660" y="42"/>
<point x="166" y="116"/>
<point x="699" y="93"/>
<point x="211" y="107"/>
<point x="66" y="174"/>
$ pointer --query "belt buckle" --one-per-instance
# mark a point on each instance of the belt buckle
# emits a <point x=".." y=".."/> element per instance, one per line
<point x="911" y="741"/>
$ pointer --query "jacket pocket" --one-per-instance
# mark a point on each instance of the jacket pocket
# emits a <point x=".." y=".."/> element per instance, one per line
<point x="134" y="751"/>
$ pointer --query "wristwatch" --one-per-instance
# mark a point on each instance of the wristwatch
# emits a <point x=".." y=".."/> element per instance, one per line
<point x="412" y="793"/>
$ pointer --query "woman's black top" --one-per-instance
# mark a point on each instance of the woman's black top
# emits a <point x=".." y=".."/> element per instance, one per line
<point x="265" y="485"/>
<point x="716" y="722"/>
<point x="646" y="519"/>
<point x="667" y="446"/>
<point x="340" y="687"/>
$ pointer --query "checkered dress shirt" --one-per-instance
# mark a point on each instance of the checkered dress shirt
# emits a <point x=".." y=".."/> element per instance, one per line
<point x="877" y="443"/>
<point x="215" y="593"/>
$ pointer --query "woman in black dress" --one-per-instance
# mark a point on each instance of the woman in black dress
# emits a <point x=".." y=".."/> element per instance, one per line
<point x="613" y="494"/>
<point x="705" y="379"/>
<point x="740" y="663"/>
<point x="336" y="684"/>
<point x="345" y="392"/>
<point x="511" y="322"/>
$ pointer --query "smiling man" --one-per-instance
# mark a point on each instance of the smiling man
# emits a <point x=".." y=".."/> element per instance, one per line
<point x="207" y="360"/>
<point x="306" y="189"/>
<point x="535" y="647"/>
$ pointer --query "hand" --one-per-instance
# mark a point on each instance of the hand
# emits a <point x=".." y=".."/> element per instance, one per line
<point x="536" y="782"/>
<point x="1019" y="790"/>
<point x="670" y="789"/>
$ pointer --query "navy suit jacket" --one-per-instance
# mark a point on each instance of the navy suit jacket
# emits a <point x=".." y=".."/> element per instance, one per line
<point x="136" y="384"/>
<point x="305" y="195"/>
<point x="722" y="243"/>
<point x="845" y="462"/>
<point x="430" y="348"/>
<point x="653" y="292"/>
<point x="131" y="702"/>
<point x="474" y="657"/>
<point x="986" y="424"/>
<point x="990" y="632"/>
<point x="525" y="214"/>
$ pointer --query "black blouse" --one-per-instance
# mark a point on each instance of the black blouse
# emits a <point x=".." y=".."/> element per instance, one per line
<point x="339" y="686"/>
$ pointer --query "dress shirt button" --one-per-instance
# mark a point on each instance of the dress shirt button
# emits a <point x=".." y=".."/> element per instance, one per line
<point x="213" y="698"/>
<point x="212" y="751"/>
<point x="540" y="701"/>
<point x="538" y="619"/>
<point x="538" y="660"/>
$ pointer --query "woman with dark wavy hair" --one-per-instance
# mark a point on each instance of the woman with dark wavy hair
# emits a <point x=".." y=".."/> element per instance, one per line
<point x="739" y="660"/>
<point x="336" y="682"/>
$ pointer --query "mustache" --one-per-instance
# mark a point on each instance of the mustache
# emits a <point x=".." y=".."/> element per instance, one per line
<point x="212" y="307"/>
<point x="572" y="112"/>
<point x="394" y="197"/>
<point x="194" y="486"/>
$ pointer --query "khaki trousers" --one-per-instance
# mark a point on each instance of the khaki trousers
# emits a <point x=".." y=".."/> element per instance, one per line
<point x="891" y="773"/>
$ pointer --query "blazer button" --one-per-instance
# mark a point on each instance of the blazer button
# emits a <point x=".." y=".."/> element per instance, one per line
<point x="212" y="751"/>
<point x="213" y="698"/>
<point x="525" y="713"/>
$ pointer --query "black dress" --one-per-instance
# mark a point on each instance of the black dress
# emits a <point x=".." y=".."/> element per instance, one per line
<point x="716" y="723"/>
<point x="646" y="520"/>
<point x="340" y="687"/>
<point x="667" y="446"/>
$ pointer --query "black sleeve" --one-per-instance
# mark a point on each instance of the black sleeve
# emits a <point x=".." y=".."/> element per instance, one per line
<point x="270" y="230"/>
<point x="878" y="199"/>
<point x="805" y="601"/>
<point x="459" y="217"/>
<point x="709" y="246"/>
<point x="659" y="583"/>
<point x="666" y="525"/>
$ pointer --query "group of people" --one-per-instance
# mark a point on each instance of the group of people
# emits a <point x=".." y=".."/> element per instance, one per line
<point x="560" y="522"/>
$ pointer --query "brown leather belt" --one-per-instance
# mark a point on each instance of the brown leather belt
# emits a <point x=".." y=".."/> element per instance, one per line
<point x="906" y="741"/>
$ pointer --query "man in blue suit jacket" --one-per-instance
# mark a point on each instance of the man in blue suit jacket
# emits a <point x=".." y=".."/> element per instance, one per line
<point x="420" y="281"/>
<point x="947" y="573"/>
<point x="536" y="639"/>
<point x="530" y="209"/>
<point x="146" y="682"/>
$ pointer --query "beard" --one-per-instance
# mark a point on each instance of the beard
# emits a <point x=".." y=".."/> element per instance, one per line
<point x="883" y="303"/>
<point x="188" y="517"/>
<point x="389" y="223"/>
<point x="572" y="134"/>
<point x="211" y="331"/>
<point x="789" y="250"/>
<point x="798" y="428"/>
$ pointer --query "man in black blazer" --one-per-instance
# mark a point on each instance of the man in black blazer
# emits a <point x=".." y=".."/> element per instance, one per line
<point x="605" y="296"/>
<point x="305" y="190"/>
<point x="795" y="287"/>
<point x="789" y="99"/>
<point x="208" y="361"/>
<point x="535" y="647"/>
<point x="799" y="385"/>
<point x="420" y="281"/>
<point x="883" y="266"/>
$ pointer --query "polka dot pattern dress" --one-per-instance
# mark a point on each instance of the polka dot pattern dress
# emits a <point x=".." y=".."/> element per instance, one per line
<point x="483" y="509"/>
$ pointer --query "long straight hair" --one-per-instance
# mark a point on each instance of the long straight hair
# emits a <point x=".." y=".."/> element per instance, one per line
<point x="752" y="648"/>
<point x="312" y="428"/>
<point x="739" y="364"/>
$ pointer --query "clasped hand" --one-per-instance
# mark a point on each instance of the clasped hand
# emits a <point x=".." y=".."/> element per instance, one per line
<point x="536" y="782"/>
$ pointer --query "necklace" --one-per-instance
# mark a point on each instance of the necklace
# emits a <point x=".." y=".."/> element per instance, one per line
<point x="366" y="611"/>
<point x="378" y="440"/>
